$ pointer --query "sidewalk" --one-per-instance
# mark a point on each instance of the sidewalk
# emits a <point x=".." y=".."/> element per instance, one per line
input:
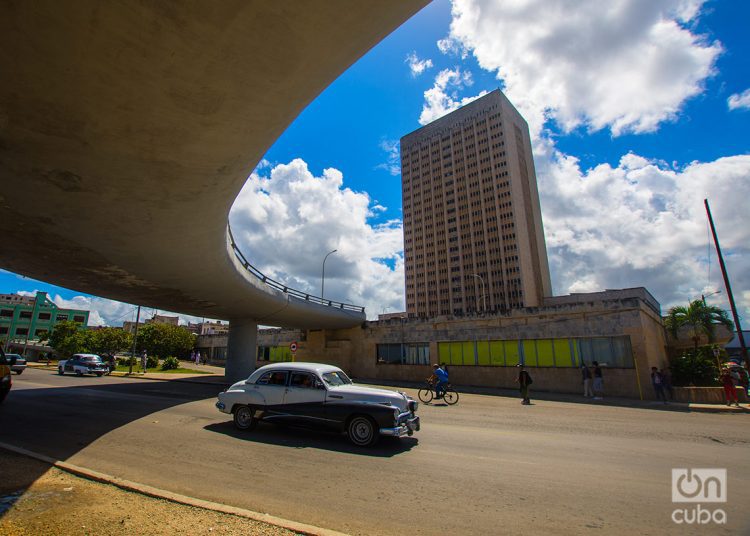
<point x="216" y="377"/>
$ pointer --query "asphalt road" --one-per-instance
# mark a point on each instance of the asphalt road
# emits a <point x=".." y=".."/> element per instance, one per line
<point x="485" y="466"/>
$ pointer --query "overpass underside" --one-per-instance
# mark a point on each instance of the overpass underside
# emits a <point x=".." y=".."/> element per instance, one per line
<point x="127" y="129"/>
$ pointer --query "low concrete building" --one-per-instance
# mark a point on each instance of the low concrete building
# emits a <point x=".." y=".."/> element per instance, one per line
<point x="621" y="329"/>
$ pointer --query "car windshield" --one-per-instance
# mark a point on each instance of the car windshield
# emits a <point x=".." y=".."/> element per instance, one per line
<point x="336" y="378"/>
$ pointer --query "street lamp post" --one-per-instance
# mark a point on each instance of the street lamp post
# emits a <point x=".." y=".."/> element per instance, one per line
<point x="323" y="275"/>
<point x="704" y="296"/>
<point x="484" y="296"/>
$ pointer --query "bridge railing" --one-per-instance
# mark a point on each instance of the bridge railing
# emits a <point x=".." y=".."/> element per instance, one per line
<point x="284" y="288"/>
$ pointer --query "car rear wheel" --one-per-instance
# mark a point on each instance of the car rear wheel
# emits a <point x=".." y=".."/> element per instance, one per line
<point x="244" y="418"/>
<point x="19" y="372"/>
<point x="100" y="374"/>
<point x="79" y="373"/>
<point x="362" y="431"/>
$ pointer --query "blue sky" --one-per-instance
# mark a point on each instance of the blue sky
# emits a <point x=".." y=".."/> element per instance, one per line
<point x="628" y="105"/>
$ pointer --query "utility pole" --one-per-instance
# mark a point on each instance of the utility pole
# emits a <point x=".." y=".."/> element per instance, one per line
<point x="135" y="339"/>
<point x="728" y="287"/>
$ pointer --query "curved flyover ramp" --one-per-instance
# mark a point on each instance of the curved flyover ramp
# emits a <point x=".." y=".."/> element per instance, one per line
<point x="127" y="130"/>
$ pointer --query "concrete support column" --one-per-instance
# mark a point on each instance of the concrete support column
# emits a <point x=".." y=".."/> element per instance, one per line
<point x="241" y="349"/>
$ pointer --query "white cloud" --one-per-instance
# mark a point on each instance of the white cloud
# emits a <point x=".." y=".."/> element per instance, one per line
<point x="642" y="223"/>
<point x="286" y="222"/>
<point x="623" y="65"/>
<point x="442" y="98"/>
<point x="393" y="155"/>
<point x="739" y="101"/>
<point x="416" y="65"/>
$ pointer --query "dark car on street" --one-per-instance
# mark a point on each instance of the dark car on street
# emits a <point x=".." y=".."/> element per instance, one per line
<point x="20" y="365"/>
<point x="81" y="364"/>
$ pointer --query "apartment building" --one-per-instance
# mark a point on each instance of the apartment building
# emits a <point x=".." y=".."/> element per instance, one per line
<point x="473" y="234"/>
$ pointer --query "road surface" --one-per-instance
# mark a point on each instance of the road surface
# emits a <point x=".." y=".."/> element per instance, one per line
<point x="485" y="466"/>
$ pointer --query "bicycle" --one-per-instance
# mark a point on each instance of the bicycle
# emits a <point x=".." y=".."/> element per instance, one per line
<point x="426" y="394"/>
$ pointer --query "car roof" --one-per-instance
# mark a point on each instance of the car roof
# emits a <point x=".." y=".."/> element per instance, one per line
<point x="85" y="355"/>
<point x="296" y="365"/>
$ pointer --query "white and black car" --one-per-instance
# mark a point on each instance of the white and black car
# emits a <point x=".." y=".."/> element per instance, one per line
<point x="319" y="396"/>
<point x="80" y="364"/>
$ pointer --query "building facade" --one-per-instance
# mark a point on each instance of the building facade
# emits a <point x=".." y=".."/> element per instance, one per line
<point x="621" y="329"/>
<point x="473" y="235"/>
<point x="32" y="318"/>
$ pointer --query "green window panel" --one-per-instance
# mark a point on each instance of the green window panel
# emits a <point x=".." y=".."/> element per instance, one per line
<point x="544" y="353"/>
<point x="483" y="353"/>
<point x="512" y="354"/>
<point x="456" y="353"/>
<point x="468" y="353"/>
<point x="563" y="354"/>
<point x="497" y="353"/>
<point x="529" y="353"/>
<point x="444" y="352"/>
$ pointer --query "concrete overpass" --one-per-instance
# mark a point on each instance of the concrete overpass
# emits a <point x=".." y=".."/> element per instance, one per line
<point x="127" y="129"/>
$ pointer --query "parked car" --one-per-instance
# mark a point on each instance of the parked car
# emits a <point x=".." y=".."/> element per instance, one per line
<point x="20" y="365"/>
<point x="319" y="396"/>
<point x="81" y="364"/>
<point x="6" y="363"/>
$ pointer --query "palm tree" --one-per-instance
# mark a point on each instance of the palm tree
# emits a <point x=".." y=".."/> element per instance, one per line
<point x="699" y="317"/>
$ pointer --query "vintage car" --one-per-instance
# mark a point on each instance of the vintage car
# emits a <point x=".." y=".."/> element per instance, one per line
<point x="20" y="365"/>
<point x="81" y="364"/>
<point x="319" y="396"/>
<point x="6" y="363"/>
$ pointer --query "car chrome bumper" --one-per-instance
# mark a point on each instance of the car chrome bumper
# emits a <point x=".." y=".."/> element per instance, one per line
<point x="408" y="427"/>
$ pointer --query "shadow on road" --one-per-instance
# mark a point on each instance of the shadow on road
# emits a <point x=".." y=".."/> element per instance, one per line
<point x="303" y="438"/>
<point x="59" y="421"/>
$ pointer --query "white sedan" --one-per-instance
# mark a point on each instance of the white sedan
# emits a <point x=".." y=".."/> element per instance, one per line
<point x="319" y="396"/>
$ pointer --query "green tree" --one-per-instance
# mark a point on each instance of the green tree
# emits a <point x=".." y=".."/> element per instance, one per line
<point x="164" y="340"/>
<point x="109" y="341"/>
<point x="700" y="318"/>
<point x="67" y="339"/>
<point x="695" y="367"/>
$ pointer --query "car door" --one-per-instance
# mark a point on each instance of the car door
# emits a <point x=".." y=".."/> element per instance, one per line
<point x="272" y="389"/>
<point x="70" y="364"/>
<point x="305" y="398"/>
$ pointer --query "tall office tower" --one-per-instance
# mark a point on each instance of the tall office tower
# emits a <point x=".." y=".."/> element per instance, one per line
<point x="473" y="236"/>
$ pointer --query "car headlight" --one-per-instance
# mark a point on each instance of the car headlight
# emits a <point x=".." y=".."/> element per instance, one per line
<point x="396" y="414"/>
<point x="412" y="405"/>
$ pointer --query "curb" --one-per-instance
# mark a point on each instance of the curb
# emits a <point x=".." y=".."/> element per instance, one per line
<point x="149" y="491"/>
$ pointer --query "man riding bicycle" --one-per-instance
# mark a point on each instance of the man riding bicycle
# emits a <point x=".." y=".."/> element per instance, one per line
<point x="441" y="376"/>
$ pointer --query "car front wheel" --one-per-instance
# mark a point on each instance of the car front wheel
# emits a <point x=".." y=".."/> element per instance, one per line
<point x="79" y="373"/>
<point x="18" y="372"/>
<point x="60" y="371"/>
<point x="244" y="418"/>
<point x="362" y="431"/>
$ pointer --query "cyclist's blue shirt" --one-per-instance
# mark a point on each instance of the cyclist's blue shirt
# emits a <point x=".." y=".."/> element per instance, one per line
<point x="442" y="376"/>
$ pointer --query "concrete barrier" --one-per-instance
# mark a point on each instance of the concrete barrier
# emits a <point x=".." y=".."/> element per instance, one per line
<point x="706" y="395"/>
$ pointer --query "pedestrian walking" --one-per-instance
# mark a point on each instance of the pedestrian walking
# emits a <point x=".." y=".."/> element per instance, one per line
<point x="666" y="378"/>
<point x="598" y="381"/>
<point x="144" y="361"/>
<point x="657" y="382"/>
<point x="197" y="358"/>
<point x="524" y="383"/>
<point x="586" y="376"/>
<point x="730" y="387"/>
